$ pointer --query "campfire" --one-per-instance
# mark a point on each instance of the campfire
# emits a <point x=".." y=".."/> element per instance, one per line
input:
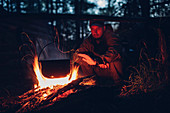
<point x="47" y="91"/>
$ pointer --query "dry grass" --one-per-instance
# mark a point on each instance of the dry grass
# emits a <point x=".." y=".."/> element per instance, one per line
<point x="149" y="75"/>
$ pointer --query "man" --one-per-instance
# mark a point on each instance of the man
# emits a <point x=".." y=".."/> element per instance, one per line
<point x="99" y="55"/>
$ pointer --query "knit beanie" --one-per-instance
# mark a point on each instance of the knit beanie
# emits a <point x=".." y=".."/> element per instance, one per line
<point x="96" y="22"/>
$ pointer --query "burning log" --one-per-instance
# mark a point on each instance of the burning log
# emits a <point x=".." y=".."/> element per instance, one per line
<point x="37" y="99"/>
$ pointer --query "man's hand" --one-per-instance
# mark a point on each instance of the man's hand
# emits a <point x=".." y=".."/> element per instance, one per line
<point x="104" y="66"/>
<point x="90" y="61"/>
<point x="87" y="59"/>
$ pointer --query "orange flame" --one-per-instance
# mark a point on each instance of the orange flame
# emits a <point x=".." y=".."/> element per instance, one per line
<point x="50" y="82"/>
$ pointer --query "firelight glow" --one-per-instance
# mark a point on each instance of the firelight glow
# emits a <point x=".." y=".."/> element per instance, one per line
<point x="49" y="82"/>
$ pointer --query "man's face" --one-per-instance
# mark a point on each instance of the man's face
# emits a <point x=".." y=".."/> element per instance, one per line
<point x="97" y="31"/>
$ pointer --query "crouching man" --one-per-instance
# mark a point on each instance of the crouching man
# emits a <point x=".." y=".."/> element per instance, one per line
<point x="98" y="55"/>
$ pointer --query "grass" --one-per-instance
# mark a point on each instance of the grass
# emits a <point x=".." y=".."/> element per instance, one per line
<point x="147" y="76"/>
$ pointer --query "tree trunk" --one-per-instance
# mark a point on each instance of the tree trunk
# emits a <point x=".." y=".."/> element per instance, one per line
<point x="145" y="7"/>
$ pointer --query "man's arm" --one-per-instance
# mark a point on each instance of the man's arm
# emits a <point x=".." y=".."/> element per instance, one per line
<point x="92" y="62"/>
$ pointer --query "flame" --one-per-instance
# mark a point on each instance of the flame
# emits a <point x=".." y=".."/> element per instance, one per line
<point x="44" y="82"/>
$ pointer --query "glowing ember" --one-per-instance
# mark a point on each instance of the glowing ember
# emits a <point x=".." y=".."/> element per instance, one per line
<point x="45" y="95"/>
<point x="50" y="82"/>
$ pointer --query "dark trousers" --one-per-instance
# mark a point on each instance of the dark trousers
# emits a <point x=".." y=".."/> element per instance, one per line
<point x="104" y="75"/>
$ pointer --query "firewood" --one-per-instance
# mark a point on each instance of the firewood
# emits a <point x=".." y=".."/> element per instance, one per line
<point x="34" y="99"/>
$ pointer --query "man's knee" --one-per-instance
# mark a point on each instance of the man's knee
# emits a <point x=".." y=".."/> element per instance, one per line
<point x="116" y="71"/>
